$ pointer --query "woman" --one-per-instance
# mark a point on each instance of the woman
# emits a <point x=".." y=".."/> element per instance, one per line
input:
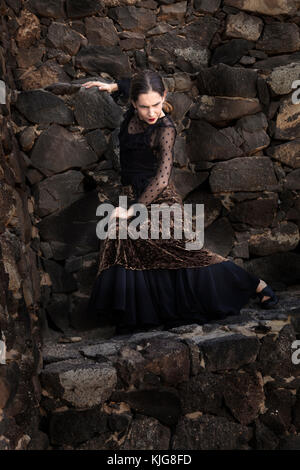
<point x="142" y="283"/>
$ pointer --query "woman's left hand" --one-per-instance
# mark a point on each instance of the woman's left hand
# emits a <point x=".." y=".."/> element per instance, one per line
<point x="119" y="212"/>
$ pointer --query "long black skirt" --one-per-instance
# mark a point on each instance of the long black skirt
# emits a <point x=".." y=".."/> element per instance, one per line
<point x="172" y="297"/>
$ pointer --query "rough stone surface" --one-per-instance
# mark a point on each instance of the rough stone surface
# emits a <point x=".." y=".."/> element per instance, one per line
<point x="57" y="150"/>
<point x="77" y="383"/>
<point x="230" y="69"/>
<point x="243" y="174"/>
<point x="30" y="104"/>
<point x="210" y="432"/>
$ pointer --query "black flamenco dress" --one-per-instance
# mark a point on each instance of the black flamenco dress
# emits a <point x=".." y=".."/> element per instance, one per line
<point x="148" y="282"/>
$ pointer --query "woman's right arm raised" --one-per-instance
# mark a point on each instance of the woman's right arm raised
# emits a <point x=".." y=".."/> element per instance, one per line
<point x="122" y="86"/>
<point x="102" y="86"/>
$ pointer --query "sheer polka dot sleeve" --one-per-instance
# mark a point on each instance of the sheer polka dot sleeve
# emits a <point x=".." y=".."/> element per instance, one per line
<point x="123" y="88"/>
<point x="160" y="180"/>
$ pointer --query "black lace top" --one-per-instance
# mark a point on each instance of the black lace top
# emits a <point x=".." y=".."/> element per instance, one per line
<point x="146" y="150"/>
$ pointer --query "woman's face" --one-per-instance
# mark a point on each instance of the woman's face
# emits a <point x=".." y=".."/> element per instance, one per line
<point x="149" y="106"/>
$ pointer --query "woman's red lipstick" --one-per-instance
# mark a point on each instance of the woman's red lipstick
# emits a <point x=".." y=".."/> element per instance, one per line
<point x="152" y="119"/>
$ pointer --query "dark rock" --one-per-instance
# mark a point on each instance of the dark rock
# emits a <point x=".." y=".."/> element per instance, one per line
<point x="34" y="176"/>
<point x="252" y="130"/>
<point x="173" y="14"/>
<point x="147" y="434"/>
<point x="271" y="40"/>
<point x="293" y="180"/>
<point x="188" y="54"/>
<point x="277" y="7"/>
<point x="27" y="138"/>
<point x="101" y="31"/>
<point x="131" y="40"/>
<point x="231" y="52"/>
<point x="78" y="382"/>
<point x="244" y="394"/>
<point x="119" y="422"/>
<point x="287" y="153"/>
<point x="111" y="60"/>
<point x="185" y="181"/>
<point x="296" y="412"/>
<point x="78" y="317"/>
<point x="283" y="237"/>
<point x="8" y="384"/>
<point x="102" y="441"/>
<point x="275" y="354"/>
<point x="47" y="73"/>
<point x="79" y="9"/>
<point x="57" y="150"/>
<point x="58" y="191"/>
<point x="132" y="18"/>
<point x="61" y="280"/>
<point x="221" y="111"/>
<point x="267" y="65"/>
<point x="280" y="267"/>
<point x="73" y="264"/>
<point x="207" y="6"/>
<point x="181" y="103"/>
<point x="167" y="359"/>
<point x="39" y="441"/>
<point x="180" y="154"/>
<point x="87" y="274"/>
<point x="74" y="426"/>
<point x="243" y="174"/>
<point x="202" y="393"/>
<point x="290" y="443"/>
<point x="212" y="205"/>
<point x="54" y="109"/>
<point x="162" y="404"/>
<point x="287" y="125"/>
<point x="278" y="415"/>
<point x="65" y="38"/>
<point x="48" y="8"/>
<point x="209" y="432"/>
<point x="7" y="205"/>
<point x="94" y="109"/>
<point x="202" y="30"/>
<point x="236" y="81"/>
<point x="63" y="226"/>
<point x="58" y="251"/>
<point x="257" y="213"/>
<point x="57" y="308"/>
<point x="214" y="144"/>
<point x="227" y="351"/>
<point x="63" y="88"/>
<point x="219" y="237"/>
<point x="54" y="351"/>
<point x="31" y="56"/>
<point x="265" y="439"/>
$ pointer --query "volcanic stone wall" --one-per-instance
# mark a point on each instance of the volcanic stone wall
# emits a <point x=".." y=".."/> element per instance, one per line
<point x="229" y="68"/>
<point x="21" y="322"/>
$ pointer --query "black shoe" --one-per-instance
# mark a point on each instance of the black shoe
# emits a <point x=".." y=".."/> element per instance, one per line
<point x="269" y="303"/>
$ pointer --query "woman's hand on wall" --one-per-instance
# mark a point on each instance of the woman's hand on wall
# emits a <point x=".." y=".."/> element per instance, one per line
<point x="102" y="86"/>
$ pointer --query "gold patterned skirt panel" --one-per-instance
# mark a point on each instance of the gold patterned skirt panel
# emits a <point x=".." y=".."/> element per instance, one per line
<point x="150" y="253"/>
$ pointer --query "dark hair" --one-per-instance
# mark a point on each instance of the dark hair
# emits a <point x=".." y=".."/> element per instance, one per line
<point x="145" y="81"/>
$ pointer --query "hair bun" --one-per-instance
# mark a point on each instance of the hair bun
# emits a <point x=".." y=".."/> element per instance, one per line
<point x="167" y="107"/>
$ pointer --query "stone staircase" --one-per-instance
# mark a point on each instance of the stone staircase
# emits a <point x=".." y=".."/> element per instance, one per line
<point x="230" y="384"/>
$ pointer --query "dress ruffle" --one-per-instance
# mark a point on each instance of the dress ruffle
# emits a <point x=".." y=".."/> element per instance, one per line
<point x="139" y="298"/>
